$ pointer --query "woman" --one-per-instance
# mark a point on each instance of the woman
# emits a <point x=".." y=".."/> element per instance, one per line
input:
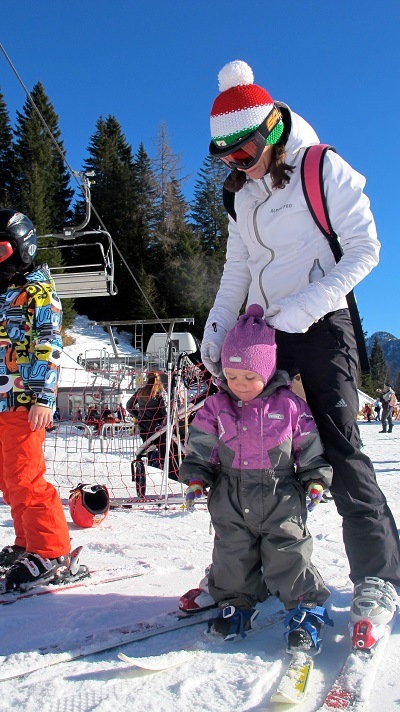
<point x="150" y="405"/>
<point x="278" y="258"/>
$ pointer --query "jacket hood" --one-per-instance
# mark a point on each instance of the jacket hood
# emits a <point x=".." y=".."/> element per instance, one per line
<point x="301" y="133"/>
<point x="279" y="379"/>
<point x="39" y="274"/>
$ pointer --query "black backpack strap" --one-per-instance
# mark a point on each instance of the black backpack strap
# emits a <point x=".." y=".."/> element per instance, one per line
<point x="314" y="193"/>
<point x="228" y="199"/>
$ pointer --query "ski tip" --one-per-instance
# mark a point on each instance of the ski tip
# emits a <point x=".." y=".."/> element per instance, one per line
<point x="293" y="686"/>
<point x="158" y="663"/>
<point x="125" y="658"/>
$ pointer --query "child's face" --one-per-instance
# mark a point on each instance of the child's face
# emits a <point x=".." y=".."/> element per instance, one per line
<point x="246" y="385"/>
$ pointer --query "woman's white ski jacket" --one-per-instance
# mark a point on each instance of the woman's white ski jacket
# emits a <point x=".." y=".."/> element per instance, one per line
<point x="276" y="255"/>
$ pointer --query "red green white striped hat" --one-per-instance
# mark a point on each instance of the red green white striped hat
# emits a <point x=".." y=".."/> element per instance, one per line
<point x="241" y="106"/>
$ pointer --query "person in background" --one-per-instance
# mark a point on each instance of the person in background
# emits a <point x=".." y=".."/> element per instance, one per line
<point x="367" y="412"/>
<point x="149" y="404"/>
<point x="30" y="351"/>
<point x="121" y="412"/>
<point x="278" y="258"/>
<point x="256" y="445"/>
<point x="377" y="409"/>
<point x="389" y="402"/>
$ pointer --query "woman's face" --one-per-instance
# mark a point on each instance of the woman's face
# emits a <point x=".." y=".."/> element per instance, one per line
<point x="262" y="166"/>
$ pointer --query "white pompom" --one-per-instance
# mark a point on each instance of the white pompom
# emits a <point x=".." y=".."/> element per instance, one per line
<point x="235" y="74"/>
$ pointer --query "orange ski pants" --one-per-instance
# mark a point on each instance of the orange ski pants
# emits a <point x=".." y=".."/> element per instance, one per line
<point x="39" y="520"/>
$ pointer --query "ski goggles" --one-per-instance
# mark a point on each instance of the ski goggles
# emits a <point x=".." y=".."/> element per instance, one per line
<point x="246" y="152"/>
<point x="6" y="250"/>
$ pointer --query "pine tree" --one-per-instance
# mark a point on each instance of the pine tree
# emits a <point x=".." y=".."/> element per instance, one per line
<point x="173" y="244"/>
<point x="171" y="207"/>
<point x="42" y="184"/>
<point x="379" y="369"/>
<point x="41" y="178"/>
<point x="113" y="197"/>
<point x="7" y="175"/>
<point x="208" y="215"/>
<point x="144" y="218"/>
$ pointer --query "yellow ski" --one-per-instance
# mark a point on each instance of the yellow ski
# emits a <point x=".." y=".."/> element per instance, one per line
<point x="293" y="686"/>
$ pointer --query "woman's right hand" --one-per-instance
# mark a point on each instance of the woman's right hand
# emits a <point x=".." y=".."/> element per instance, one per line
<point x="219" y="322"/>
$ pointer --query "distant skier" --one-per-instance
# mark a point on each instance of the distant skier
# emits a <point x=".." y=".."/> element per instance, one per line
<point x="389" y="402"/>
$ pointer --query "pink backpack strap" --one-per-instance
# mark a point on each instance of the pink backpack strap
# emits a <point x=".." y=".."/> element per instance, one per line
<point x="312" y="180"/>
<point x="313" y="186"/>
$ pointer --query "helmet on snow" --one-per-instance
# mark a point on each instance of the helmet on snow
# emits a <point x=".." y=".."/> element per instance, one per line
<point x="89" y="505"/>
<point x="17" y="242"/>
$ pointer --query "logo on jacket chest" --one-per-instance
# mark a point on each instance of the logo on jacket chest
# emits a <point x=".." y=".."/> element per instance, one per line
<point x="282" y="207"/>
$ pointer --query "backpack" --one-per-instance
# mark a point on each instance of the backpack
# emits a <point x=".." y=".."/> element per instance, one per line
<point x="393" y="400"/>
<point x="314" y="193"/>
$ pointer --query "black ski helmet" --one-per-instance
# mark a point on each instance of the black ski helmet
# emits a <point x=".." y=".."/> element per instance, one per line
<point x="16" y="232"/>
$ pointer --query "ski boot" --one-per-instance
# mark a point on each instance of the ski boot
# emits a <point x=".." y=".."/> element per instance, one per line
<point x="10" y="554"/>
<point x="304" y="625"/>
<point x="33" y="570"/>
<point x="195" y="601"/>
<point x="232" y="622"/>
<point x="372" y="608"/>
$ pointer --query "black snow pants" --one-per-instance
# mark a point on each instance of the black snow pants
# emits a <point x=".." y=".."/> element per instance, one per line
<point x="326" y="358"/>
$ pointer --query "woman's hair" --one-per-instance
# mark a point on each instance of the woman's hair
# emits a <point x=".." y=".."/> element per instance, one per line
<point x="154" y="385"/>
<point x="279" y="171"/>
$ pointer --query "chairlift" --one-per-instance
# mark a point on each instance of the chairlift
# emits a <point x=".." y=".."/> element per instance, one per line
<point x="84" y="279"/>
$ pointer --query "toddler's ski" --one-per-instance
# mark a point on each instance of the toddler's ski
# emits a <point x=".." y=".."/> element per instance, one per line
<point x="294" y="683"/>
<point x="158" y="663"/>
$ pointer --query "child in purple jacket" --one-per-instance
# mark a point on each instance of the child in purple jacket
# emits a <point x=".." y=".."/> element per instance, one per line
<point x="255" y="444"/>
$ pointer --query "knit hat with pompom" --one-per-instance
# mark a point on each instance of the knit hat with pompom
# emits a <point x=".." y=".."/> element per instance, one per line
<point x="250" y="345"/>
<point x="241" y="107"/>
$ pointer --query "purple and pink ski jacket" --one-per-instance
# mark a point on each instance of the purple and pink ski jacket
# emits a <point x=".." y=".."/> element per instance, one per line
<point x="273" y="433"/>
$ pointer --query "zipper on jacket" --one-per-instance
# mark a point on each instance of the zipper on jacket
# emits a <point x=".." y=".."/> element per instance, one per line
<point x="257" y="234"/>
<point x="258" y="238"/>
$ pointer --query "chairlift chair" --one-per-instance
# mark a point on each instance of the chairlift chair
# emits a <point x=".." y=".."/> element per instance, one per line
<point x="84" y="279"/>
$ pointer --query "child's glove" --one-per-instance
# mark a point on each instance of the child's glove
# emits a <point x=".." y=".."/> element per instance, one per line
<point x="194" y="491"/>
<point x="315" y="490"/>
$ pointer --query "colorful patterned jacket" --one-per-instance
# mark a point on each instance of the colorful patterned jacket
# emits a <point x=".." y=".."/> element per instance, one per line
<point x="30" y="342"/>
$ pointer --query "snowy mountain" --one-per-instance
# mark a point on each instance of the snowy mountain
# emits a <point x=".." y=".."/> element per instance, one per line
<point x="169" y="549"/>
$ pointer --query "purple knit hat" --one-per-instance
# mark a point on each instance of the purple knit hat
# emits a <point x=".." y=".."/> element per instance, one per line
<point x="250" y="345"/>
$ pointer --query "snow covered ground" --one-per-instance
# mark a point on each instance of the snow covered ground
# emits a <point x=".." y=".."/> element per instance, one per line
<point x="171" y="549"/>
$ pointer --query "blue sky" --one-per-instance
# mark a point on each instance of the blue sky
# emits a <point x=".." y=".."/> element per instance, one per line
<point x="336" y="63"/>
